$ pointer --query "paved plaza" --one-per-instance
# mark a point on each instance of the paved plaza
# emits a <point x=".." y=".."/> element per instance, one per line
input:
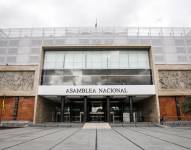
<point x="115" y="138"/>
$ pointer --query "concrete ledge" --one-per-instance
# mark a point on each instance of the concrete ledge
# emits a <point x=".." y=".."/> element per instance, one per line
<point x="14" y="124"/>
<point x="177" y="123"/>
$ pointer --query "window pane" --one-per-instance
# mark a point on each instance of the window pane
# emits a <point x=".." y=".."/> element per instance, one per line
<point x="133" y="60"/>
<point x="124" y="60"/>
<point x="113" y="59"/>
<point x="96" y="59"/>
<point x="119" y="59"/>
<point x="143" y="61"/>
<point x="74" y="60"/>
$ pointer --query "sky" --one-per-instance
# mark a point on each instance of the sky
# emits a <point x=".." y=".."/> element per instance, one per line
<point x="78" y="13"/>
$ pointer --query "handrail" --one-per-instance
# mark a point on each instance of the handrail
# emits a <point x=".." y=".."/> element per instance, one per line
<point x="65" y="31"/>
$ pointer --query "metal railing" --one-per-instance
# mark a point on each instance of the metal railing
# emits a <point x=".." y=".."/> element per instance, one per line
<point x="107" y="31"/>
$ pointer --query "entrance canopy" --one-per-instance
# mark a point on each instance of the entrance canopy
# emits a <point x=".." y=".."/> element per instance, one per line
<point x="88" y="90"/>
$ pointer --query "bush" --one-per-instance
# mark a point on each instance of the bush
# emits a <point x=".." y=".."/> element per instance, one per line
<point x="186" y="107"/>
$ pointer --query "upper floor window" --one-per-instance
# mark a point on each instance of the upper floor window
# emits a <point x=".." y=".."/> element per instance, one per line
<point x="119" y="59"/>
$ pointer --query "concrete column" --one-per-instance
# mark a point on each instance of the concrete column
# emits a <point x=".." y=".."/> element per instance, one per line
<point x="70" y="105"/>
<point x="108" y="109"/>
<point x="131" y="108"/>
<point x="85" y="108"/>
<point x="122" y="109"/>
<point x="62" y="108"/>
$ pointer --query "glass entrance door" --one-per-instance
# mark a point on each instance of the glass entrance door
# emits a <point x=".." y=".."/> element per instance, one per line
<point x="96" y="112"/>
<point x="116" y="111"/>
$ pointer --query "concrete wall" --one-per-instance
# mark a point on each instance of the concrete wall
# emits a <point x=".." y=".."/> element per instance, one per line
<point x="44" y="110"/>
<point x="149" y="108"/>
<point x="18" y="80"/>
<point x="173" y="81"/>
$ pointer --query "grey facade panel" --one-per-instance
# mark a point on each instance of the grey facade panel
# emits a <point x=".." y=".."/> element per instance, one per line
<point x="171" y="43"/>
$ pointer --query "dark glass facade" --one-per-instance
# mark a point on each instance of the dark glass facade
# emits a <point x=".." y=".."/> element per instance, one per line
<point x="97" y="67"/>
<point x="97" y="77"/>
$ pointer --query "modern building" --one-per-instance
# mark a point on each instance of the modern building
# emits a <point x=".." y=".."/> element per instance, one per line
<point x="84" y="74"/>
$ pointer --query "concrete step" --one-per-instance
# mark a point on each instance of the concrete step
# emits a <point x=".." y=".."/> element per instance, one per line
<point x="96" y="126"/>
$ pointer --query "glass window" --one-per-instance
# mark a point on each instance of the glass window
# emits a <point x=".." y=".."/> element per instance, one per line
<point x="143" y="61"/>
<point x="113" y="60"/>
<point x="50" y="59"/>
<point x="133" y="60"/>
<point x="68" y="61"/>
<point x="123" y="60"/>
<point x="79" y="60"/>
<point x="96" y="60"/>
<point x="74" y="60"/>
<point x="59" y="62"/>
<point x="120" y="67"/>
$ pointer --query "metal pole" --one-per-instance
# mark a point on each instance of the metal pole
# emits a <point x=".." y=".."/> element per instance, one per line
<point x="85" y="108"/>
<point x="70" y="114"/>
<point x="62" y="108"/>
<point x="108" y="109"/>
<point x="131" y="108"/>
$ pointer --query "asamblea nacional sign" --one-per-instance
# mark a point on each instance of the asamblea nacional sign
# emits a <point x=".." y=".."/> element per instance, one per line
<point x="97" y="90"/>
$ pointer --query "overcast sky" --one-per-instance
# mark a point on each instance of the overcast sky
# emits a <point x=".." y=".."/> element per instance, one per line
<point x="54" y="13"/>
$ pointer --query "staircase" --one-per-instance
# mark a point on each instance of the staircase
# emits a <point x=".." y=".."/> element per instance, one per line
<point x="96" y="126"/>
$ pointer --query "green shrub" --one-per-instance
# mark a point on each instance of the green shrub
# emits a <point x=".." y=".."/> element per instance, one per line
<point x="186" y="107"/>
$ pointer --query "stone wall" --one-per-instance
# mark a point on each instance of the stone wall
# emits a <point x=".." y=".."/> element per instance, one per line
<point x="172" y="79"/>
<point x="17" y="80"/>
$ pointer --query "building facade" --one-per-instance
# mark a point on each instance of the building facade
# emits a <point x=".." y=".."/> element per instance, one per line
<point x="124" y="74"/>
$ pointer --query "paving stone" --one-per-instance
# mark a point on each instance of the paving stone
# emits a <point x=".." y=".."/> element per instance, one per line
<point x="99" y="136"/>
